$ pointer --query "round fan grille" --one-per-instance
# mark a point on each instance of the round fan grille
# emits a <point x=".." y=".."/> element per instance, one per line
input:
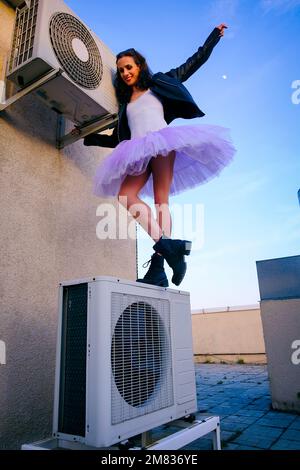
<point x="137" y="353"/>
<point x="76" y="50"/>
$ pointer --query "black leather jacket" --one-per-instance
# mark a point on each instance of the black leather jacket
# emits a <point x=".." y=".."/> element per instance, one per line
<point x="176" y="100"/>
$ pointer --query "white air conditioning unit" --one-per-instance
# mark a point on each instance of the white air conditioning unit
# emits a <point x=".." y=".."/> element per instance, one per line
<point x="49" y="36"/>
<point x="124" y="360"/>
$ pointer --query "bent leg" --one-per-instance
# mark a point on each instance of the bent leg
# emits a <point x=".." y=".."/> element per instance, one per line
<point x="128" y="197"/>
<point x="162" y="172"/>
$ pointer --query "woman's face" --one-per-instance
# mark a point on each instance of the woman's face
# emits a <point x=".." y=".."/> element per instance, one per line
<point x="128" y="70"/>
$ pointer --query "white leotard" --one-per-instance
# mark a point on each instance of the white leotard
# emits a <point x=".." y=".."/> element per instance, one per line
<point x="145" y="114"/>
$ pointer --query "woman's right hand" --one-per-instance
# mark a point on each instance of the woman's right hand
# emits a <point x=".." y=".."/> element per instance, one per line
<point x="221" y="27"/>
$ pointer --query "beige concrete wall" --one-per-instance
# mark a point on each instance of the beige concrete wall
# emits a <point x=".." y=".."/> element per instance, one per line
<point x="230" y="336"/>
<point x="48" y="234"/>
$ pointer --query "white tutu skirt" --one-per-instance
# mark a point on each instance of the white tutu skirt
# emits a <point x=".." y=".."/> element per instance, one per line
<point x="202" y="151"/>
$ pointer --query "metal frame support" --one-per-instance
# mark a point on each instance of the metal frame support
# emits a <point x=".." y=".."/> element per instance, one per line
<point x="217" y="437"/>
<point x="107" y="121"/>
<point x="188" y="432"/>
<point x="146" y="439"/>
<point x="30" y="88"/>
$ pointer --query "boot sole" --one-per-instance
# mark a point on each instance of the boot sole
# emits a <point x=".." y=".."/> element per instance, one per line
<point x="178" y="279"/>
<point x="187" y="246"/>
<point x="182" y="247"/>
<point x="159" y="284"/>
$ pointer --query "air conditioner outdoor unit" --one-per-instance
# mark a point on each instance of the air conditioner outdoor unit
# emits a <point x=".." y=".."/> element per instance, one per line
<point x="124" y="360"/>
<point x="49" y="36"/>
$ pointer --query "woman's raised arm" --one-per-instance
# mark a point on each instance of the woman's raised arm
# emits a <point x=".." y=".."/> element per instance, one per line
<point x="193" y="63"/>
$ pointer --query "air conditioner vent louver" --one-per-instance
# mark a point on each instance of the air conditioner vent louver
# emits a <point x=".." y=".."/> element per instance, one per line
<point x="24" y="33"/>
<point x="140" y="357"/>
<point x="66" y="34"/>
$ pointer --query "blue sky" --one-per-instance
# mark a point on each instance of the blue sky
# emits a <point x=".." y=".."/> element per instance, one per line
<point x="251" y="211"/>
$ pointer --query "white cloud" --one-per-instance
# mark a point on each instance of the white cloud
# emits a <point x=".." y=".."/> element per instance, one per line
<point x="233" y="249"/>
<point x="245" y="184"/>
<point x="288" y="227"/>
<point x="224" y="7"/>
<point x="279" y="6"/>
<point x="224" y="11"/>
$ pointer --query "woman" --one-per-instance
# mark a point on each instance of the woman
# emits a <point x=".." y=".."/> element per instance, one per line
<point x="151" y="158"/>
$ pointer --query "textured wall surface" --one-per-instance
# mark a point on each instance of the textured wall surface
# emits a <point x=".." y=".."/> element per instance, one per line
<point x="48" y="234"/>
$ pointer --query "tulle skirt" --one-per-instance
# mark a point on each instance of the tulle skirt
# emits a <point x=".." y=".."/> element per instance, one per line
<point x="202" y="151"/>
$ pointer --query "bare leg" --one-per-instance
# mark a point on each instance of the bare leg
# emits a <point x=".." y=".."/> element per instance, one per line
<point x="128" y="197"/>
<point x="162" y="171"/>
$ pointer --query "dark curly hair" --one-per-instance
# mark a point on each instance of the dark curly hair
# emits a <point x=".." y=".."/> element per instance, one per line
<point x="123" y="91"/>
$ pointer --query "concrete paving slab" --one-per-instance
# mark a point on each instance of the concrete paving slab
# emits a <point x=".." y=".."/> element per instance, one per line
<point x="240" y="395"/>
<point x="291" y="435"/>
<point x="284" y="444"/>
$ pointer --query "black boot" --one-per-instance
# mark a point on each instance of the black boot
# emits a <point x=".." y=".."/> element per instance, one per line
<point x="156" y="274"/>
<point x="173" y="251"/>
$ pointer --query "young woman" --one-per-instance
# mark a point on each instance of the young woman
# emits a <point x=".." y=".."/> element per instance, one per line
<point x="154" y="159"/>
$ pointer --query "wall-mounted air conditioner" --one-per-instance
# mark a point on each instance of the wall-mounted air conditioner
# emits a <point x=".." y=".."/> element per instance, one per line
<point x="124" y="360"/>
<point x="49" y="36"/>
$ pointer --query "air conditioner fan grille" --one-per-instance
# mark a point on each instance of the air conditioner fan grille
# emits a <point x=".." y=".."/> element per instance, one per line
<point x="140" y="356"/>
<point x="64" y="29"/>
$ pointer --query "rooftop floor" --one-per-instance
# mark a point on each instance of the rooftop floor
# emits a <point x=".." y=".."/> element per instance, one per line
<point x="240" y="395"/>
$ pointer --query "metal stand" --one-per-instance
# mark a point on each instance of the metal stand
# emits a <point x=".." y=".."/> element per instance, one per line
<point x="176" y="435"/>
<point x="189" y="433"/>
<point x="105" y="122"/>
<point x="146" y="439"/>
<point x="30" y="88"/>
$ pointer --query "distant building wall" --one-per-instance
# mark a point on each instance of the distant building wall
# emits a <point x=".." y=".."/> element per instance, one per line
<point x="48" y="234"/>
<point x="228" y="335"/>
<point x="279" y="287"/>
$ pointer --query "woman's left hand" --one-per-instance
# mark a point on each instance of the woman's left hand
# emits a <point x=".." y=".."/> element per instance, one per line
<point x="76" y="131"/>
<point x="221" y="27"/>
